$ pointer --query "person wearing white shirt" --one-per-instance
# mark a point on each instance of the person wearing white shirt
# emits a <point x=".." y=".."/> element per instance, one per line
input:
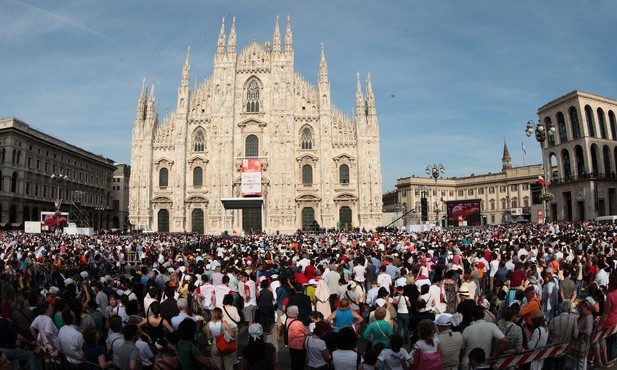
<point x="383" y="279"/>
<point x="71" y="340"/>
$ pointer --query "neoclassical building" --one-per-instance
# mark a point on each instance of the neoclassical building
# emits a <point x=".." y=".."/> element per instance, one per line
<point x="255" y="147"/>
<point x="582" y="155"/>
<point x="504" y="196"/>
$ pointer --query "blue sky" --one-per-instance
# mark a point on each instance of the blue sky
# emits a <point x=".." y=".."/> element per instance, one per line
<point x="451" y="79"/>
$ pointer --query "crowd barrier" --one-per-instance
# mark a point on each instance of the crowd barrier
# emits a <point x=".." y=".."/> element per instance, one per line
<point x="556" y="350"/>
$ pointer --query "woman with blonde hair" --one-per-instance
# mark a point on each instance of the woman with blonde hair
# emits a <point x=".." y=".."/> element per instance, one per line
<point x="215" y="328"/>
<point x="378" y="332"/>
<point x="344" y="316"/>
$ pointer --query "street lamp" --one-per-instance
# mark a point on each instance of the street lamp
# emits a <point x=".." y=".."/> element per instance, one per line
<point x="435" y="171"/>
<point x="542" y="133"/>
<point x="58" y="178"/>
<point x="100" y="208"/>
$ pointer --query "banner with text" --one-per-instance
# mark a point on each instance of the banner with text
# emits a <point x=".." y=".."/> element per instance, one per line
<point x="251" y="177"/>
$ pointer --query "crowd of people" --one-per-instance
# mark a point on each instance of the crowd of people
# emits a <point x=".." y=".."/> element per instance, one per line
<point x="388" y="299"/>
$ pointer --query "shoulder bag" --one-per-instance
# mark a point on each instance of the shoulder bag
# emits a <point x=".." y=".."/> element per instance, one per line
<point x="225" y="345"/>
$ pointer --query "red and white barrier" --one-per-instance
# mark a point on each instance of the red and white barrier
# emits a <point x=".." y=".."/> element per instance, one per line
<point x="546" y="352"/>
<point x="531" y="356"/>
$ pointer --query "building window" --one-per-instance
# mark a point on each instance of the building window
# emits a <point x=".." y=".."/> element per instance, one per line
<point x="504" y="204"/>
<point x="480" y="191"/>
<point x="551" y="138"/>
<point x="491" y="190"/>
<point x="502" y="188"/>
<point x="590" y="124"/>
<point x="561" y="127"/>
<point x="199" y="141"/>
<point x="115" y="205"/>
<point x="14" y="183"/>
<point x="307" y="175"/>
<point x="514" y="187"/>
<point x="492" y="204"/>
<point x="514" y="202"/>
<point x="525" y="186"/>
<point x="612" y="123"/>
<point x="306" y="139"/>
<point x="469" y="191"/>
<point x="164" y="177"/>
<point x="451" y="193"/>
<point x="602" y="123"/>
<point x="576" y="128"/>
<point x="252" y="97"/>
<point x="198" y="176"/>
<point x="343" y="174"/>
<point x="251" y="147"/>
<point x="461" y="193"/>
<point x="526" y="202"/>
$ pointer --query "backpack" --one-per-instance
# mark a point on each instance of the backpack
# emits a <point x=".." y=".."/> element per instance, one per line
<point x="286" y="331"/>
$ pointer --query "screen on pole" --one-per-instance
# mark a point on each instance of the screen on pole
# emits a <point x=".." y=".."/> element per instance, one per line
<point x="251" y="177"/>
<point x="460" y="211"/>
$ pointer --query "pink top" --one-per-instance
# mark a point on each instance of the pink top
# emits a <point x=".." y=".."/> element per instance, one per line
<point x="611" y="316"/>
<point x="296" y="334"/>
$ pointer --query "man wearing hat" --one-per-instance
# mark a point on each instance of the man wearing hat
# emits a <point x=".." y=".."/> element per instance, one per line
<point x="450" y="343"/>
<point x="465" y="307"/>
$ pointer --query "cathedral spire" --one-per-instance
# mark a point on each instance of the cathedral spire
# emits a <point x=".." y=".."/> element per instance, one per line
<point x="220" y="48"/>
<point x="231" y="43"/>
<point x="288" y="38"/>
<point x="370" y="98"/>
<point x="506" y="160"/>
<point x="276" y="39"/>
<point x="360" y="109"/>
<point x="186" y="70"/>
<point x="142" y="103"/>
<point x="323" y="66"/>
<point x="151" y="102"/>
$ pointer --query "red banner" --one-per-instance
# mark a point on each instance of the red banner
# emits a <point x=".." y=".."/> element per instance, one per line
<point x="251" y="177"/>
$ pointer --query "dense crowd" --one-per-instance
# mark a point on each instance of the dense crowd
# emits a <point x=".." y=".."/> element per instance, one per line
<point x="369" y="300"/>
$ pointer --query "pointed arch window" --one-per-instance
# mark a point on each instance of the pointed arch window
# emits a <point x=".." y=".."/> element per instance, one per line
<point x="199" y="141"/>
<point x="251" y="147"/>
<point x="252" y="97"/>
<point x="14" y="183"/>
<point x="306" y="138"/>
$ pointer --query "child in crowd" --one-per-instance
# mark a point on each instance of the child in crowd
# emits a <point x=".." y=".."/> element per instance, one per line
<point x="395" y="357"/>
<point x="370" y="358"/>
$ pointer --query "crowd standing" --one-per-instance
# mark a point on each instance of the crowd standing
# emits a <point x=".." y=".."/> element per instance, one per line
<point x="387" y="299"/>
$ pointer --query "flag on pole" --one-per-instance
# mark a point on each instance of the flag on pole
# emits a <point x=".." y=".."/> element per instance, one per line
<point x="524" y="150"/>
<point x="543" y="182"/>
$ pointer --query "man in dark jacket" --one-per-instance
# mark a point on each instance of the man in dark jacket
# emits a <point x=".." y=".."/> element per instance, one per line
<point x="298" y="298"/>
<point x="169" y="307"/>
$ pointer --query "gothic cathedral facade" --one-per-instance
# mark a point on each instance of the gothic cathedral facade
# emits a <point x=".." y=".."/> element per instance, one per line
<point x="314" y="164"/>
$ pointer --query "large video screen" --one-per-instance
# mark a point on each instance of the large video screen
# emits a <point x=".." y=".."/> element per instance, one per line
<point x="463" y="210"/>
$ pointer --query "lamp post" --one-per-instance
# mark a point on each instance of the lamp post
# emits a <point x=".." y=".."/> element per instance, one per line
<point x="435" y="171"/>
<point x="541" y="133"/>
<point x="58" y="178"/>
<point x="99" y="209"/>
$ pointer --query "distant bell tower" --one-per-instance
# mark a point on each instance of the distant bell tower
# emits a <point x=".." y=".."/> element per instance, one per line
<point x="506" y="160"/>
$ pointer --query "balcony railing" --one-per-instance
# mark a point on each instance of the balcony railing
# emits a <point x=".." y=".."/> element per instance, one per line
<point x="584" y="177"/>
